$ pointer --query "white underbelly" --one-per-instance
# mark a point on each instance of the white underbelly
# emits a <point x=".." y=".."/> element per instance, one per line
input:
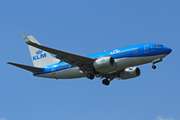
<point x="64" y="74"/>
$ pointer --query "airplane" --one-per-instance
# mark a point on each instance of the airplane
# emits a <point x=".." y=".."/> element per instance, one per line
<point x="115" y="64"/>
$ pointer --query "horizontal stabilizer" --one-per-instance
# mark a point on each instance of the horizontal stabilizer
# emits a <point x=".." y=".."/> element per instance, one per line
<point x="26" y="67"/>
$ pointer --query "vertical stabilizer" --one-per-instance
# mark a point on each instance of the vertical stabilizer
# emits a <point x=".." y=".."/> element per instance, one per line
<point x="39" y="57"/>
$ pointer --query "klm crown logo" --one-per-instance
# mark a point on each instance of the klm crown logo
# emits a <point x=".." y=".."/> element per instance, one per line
<point x="102" y="60"/>
<point x="128" y="72"/>
<point x="39" y="55"/>
<point x="39" y="52"/>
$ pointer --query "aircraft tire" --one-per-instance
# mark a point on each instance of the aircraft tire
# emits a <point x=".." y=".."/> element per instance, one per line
<point x="153" y="66"/>
<point x="90" y="76"/>
<point x="106" y="82"/>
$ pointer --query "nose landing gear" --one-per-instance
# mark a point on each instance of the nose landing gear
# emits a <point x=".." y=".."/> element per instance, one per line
<point x="156" y="61"/>
<point x="153" y="66"/>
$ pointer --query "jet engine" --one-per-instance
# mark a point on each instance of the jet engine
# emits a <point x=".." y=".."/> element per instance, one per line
<point x="130" y="72"/>
<point x="104" y="64"/>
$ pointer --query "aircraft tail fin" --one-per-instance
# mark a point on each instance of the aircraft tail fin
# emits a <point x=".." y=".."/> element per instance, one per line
<point x="39" y="57"/>
<point x="26" y="67"/>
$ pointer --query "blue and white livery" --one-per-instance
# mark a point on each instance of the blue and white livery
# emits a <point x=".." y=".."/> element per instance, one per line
<point x="118" y="63"/>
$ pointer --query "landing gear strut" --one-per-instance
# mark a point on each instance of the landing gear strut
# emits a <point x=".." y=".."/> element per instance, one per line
<point x="106" y="82"/>
<point x="156" y="61"/>
<point x="90" y="76"/>
<point x="153" y="66"/>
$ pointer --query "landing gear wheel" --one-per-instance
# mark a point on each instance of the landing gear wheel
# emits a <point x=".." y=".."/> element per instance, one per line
<point x="106" y="82"/>
<point x="90" y="76"/>
<point x="153" y="66"/>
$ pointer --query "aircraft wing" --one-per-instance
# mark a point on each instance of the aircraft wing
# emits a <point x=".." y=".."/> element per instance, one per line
<point x="70" y="58"/>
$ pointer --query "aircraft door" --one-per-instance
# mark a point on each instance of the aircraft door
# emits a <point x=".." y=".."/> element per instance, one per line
<point x="54" y="71"/>
<point x="146" y="48"/>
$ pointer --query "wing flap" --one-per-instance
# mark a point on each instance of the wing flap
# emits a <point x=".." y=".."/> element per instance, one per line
<point x="26" y="67"/>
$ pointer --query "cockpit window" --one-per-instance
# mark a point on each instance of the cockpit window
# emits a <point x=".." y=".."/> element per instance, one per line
<point x="158" y="45"/>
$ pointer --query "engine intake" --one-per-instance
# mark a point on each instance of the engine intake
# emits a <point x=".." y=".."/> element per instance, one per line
<point x="103" y="63"/>
<point x="130" y="72"/>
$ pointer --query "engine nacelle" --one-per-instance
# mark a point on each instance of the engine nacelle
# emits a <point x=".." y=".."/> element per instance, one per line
<point x="130" y="72"/>
<point x="104" y="64"/>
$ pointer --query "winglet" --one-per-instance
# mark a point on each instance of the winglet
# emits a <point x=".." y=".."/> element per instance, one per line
<point x="26" y="38"/>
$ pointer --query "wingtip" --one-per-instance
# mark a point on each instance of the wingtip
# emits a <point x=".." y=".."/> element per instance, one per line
<point x="9" y="62"/>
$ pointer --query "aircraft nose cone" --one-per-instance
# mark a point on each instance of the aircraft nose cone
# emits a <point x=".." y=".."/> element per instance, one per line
<point x="169" y="50"/>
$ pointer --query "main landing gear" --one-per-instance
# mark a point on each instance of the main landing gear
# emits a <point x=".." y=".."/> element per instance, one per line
<point x="106" y="82"/>
<point x="90" y="76"/>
